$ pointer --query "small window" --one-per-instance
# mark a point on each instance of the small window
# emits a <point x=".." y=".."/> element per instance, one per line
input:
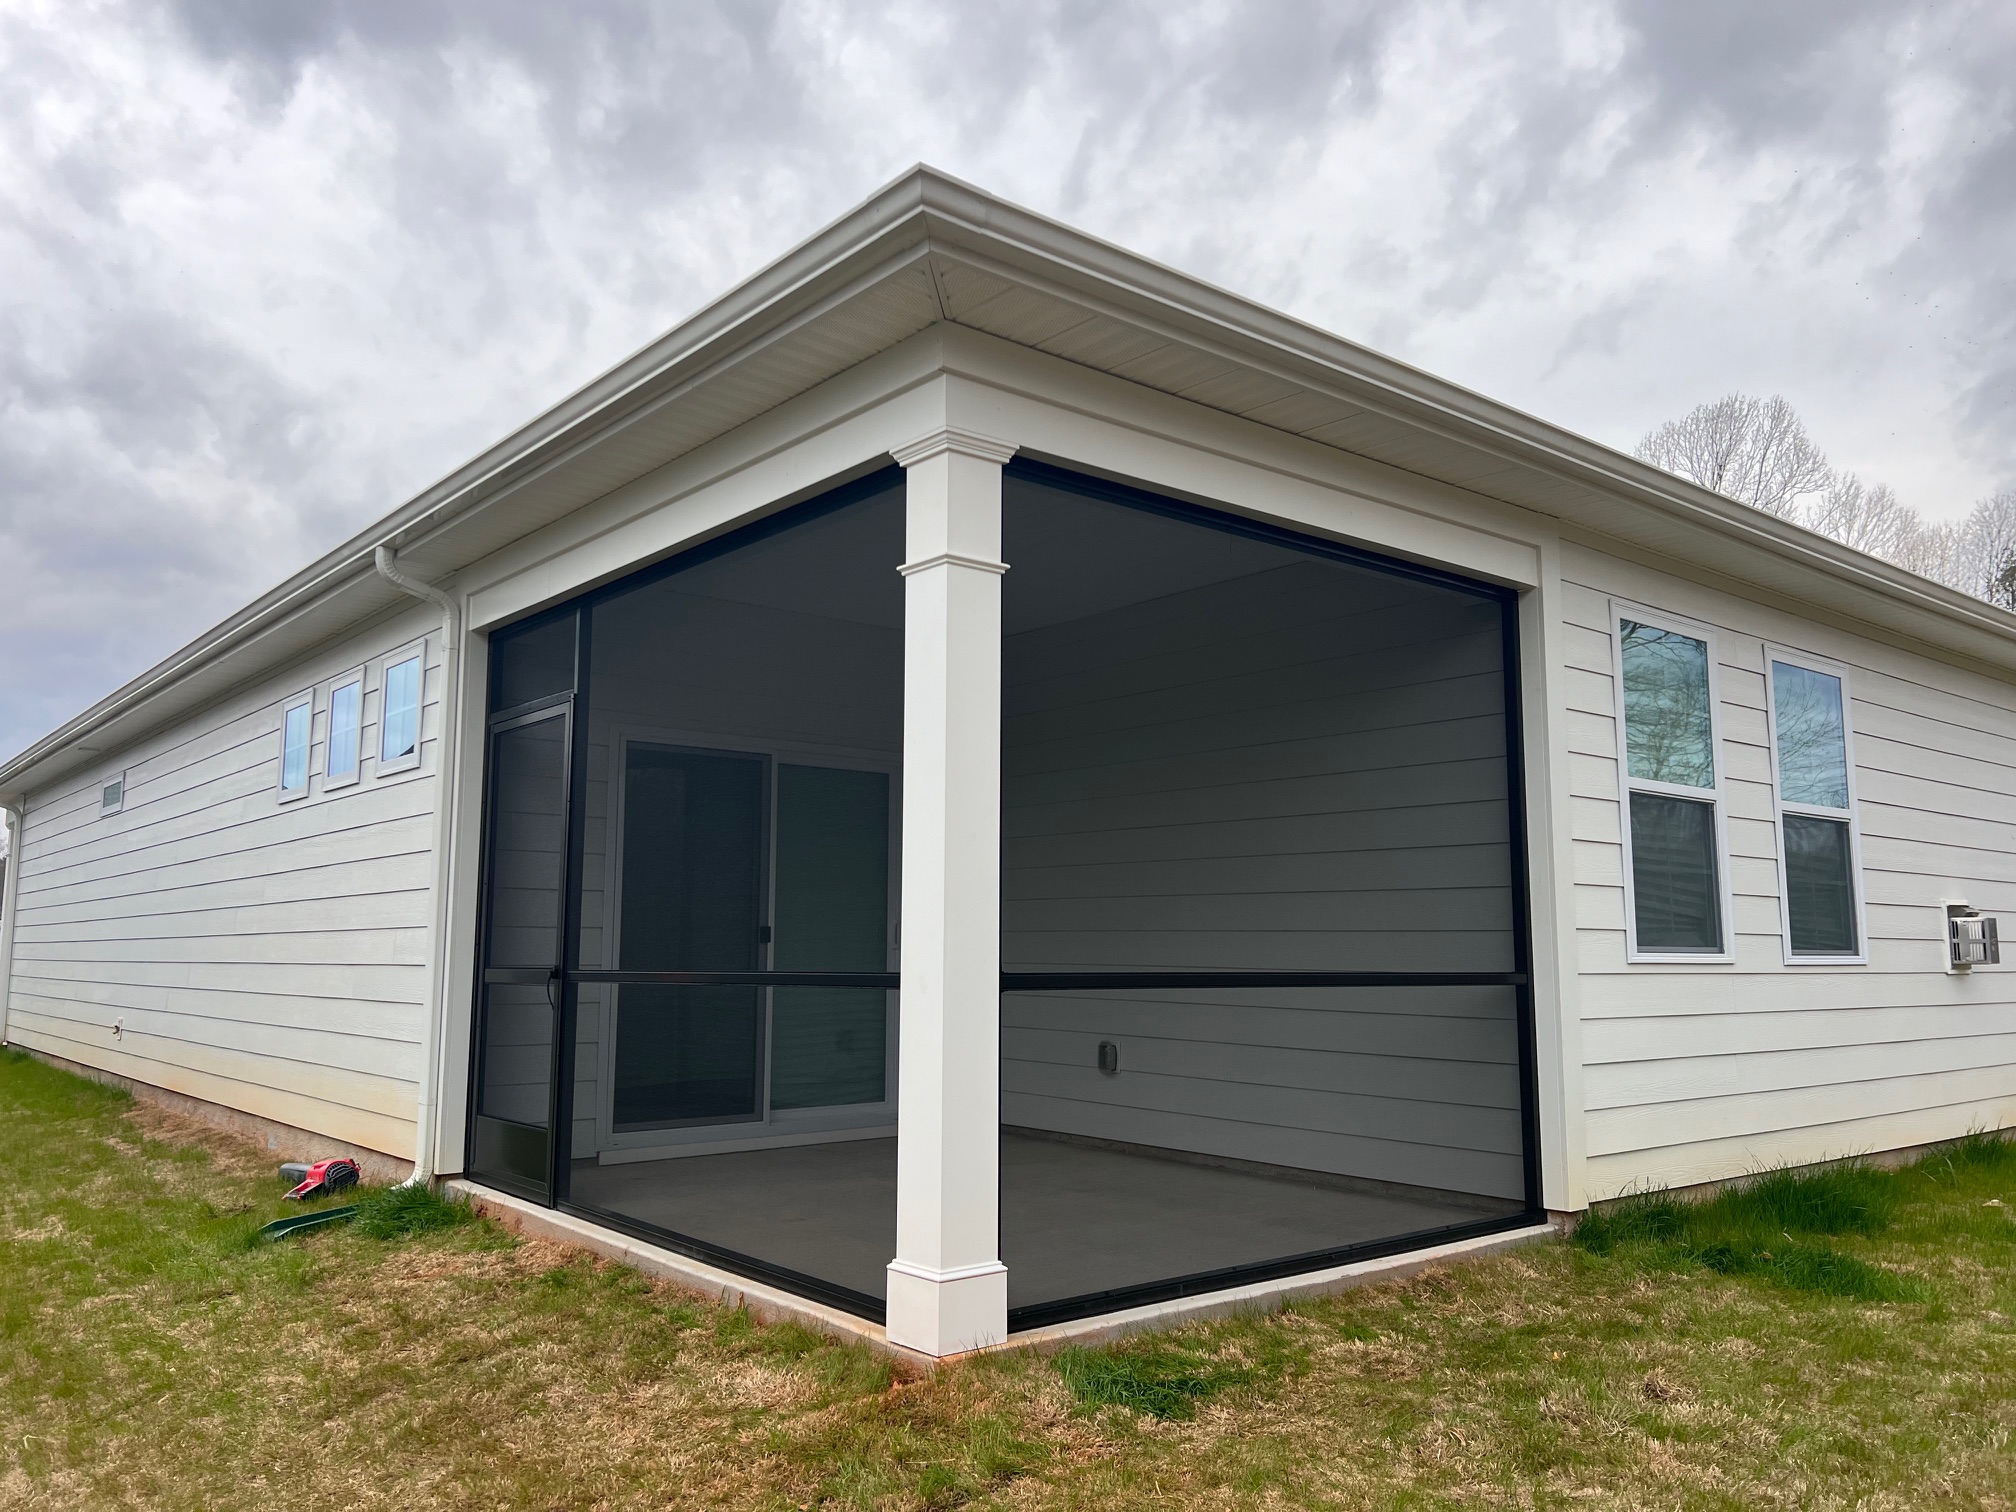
<point x="112" y="796"/>
<point x="1816" y="811"/>
<point x="346" y="726"/>
<point x="296" y="726"/>
<point x="1672" y="791"/>
<point x="399" y="740"/>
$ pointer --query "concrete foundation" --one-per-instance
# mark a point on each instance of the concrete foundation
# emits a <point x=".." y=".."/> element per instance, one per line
<point x="774" y="1305"/>
<point x="282" y="1141"/>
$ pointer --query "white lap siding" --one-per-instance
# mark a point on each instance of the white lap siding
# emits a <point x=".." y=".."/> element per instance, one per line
<point x="210" y="939"/>
<point x="1695" y="1073"/>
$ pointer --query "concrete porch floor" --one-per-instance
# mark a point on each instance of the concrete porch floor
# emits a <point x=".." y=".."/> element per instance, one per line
<point x="1075" y="1219"/>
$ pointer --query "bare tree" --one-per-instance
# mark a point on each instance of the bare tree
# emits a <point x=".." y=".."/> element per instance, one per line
<point x="1871" y="519"/>
<point x="1930" y="549"/>
<point x="1757" y="451"/>
<point x="1985" y="550"/>
<point x="1753" y="450"/>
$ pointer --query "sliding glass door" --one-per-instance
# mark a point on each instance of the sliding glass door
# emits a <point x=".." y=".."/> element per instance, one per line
<point x="736" y="864"/>
<point x="830" y="1045"/>
<point x="689" y="899"/>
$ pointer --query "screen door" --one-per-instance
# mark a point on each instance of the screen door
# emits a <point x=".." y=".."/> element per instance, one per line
<point x="524" y="914"/>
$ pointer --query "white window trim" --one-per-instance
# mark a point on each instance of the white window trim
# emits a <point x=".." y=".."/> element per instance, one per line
<point x="105" y="782"/>
<point x="346" y="779"/>
<point x="380" y="766"/>
<point x="288" y="706"/>
<point x="1780" y="808"/>
<point x="1717" y="797"/>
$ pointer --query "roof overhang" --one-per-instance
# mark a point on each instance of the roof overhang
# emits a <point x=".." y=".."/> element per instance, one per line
<point x="929" y="248"/>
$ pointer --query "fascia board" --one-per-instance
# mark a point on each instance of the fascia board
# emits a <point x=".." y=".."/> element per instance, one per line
<point x="878" y="231"/>
<point x="1019" y="244"/>
<point x="925" y="211"/>
<point x="348" y="598"/>
<point x="419" y="541"/>
<point x="870" y="235"/>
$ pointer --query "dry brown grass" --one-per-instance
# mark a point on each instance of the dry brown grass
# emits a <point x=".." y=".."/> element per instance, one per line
<point x="149" y="1358"/>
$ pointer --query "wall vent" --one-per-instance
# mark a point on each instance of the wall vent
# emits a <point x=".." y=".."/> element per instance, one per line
<point x="1972" y="939"/>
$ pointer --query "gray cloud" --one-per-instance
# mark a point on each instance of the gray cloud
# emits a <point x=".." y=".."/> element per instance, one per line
<point x="265" y="270"/>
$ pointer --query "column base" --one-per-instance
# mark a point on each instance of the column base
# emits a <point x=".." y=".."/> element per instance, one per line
<point x="947" y="1312"/>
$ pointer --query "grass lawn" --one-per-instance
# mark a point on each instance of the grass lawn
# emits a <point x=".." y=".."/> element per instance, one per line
<point x="1840" y="1343"/>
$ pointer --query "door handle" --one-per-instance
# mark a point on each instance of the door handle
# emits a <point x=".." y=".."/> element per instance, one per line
<point x="548" y="977"/>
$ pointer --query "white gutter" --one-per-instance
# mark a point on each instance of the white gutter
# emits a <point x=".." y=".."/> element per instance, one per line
<point x="427" y="1114"/>
<point x="927" y="212"/>
<point x="15" y="809"/>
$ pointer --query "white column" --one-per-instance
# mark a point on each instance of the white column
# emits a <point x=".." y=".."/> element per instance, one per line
<point x="948" y="1290"/>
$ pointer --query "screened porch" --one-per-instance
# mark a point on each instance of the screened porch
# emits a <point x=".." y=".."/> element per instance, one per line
<point x="1262" y="998"/>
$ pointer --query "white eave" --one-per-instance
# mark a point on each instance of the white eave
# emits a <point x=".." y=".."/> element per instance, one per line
<point x="928" y="248"/>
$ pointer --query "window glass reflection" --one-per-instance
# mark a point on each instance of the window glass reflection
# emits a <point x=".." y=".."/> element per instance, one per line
<point x="1812" y="739"/>
<point x="294" y="749"/>
<point x="402" y="710"/>
<point x="1669" y="734"/>
<point x="346" y="706"/>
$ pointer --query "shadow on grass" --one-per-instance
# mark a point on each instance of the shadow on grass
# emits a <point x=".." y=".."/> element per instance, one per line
<point x="1164" y="1383"/>
<point x="1168" y="1377"/>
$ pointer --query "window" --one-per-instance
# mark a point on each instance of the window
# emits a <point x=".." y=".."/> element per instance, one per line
<point x="296" y="725"/>
<point x="1676" y="905"/>
<point x="399" y="725"/>
<point x="112" y="796"/>
<point x="346" y="724"/>
<point x="1816" y="810"/>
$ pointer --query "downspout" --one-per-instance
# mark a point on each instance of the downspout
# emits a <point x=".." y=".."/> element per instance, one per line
<point x="428" y="1111"/>
<point x="14" y="809"/>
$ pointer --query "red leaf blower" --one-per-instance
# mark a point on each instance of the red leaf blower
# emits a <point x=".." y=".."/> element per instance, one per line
<point x="320" y="1179"/>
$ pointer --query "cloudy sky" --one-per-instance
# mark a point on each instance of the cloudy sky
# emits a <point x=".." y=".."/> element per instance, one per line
<point x="269" y="267"/>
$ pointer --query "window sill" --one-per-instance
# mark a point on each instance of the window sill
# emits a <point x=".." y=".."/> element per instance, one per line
<point x="1636" y="959"/>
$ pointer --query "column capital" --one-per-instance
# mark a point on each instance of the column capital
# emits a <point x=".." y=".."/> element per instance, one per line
<point x="951" y="439"/>
<point x="953" y="559"/>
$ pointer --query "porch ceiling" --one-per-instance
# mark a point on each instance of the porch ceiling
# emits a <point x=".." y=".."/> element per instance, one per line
<point x="929" y="248"/>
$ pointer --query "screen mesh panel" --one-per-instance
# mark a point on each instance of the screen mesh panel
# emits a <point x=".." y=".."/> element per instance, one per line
<point x="1224" y="753"/>
<point x="742" y="732"/>
<point x="1227" y="757"/>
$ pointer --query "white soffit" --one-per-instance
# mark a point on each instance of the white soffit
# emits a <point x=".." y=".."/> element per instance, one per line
<point x="930" y="248"/>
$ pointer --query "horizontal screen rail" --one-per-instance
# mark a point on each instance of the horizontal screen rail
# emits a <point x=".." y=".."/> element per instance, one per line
<point x="1025" y="981"/>
<point x="1121" y="981"/>
<point x="887" y="980"/>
